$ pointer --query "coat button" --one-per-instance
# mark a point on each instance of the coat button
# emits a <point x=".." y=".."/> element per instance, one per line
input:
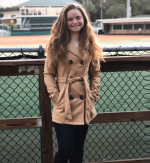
<point x="82" y="97"/>
<point x="82" y="62"/>
<point x="70" y="62"/>
<point x="71" y="97"/>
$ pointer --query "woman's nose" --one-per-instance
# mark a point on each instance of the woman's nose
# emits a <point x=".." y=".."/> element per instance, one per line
<point x="74" y="21"/>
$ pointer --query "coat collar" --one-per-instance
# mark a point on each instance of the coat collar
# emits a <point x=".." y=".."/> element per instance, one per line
<point x="72" y="49"/>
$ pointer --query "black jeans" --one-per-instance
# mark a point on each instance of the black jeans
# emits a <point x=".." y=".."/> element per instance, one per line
<point x="70" y="142"/>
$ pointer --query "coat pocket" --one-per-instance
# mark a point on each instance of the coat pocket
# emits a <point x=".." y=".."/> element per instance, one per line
<point x="59" y="101"/>
<point x="91" y="97"/>
<point x="93" y="111"/>
<point x="60" y="106"/>
<point x="54" y="100"/>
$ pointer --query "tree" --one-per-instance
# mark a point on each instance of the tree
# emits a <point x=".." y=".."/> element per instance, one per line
<point x="14" y="8"/>
<point x="89" y="7"/>
<point x="120" y="5"/>
<point x="139" y="7"/>
<point x="117" y="11"/>
<point x="1" y="15"/>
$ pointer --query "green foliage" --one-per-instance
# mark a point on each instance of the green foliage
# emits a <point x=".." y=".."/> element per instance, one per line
<point x="139" y="7"/>
<point x="116" y="8"/>
<point x="14" y="8"/>
<point x="116" y="11"/>
<point x="90" y="7"/>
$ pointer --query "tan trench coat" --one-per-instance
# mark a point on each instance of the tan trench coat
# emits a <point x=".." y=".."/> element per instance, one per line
<point x="72" y="97"/>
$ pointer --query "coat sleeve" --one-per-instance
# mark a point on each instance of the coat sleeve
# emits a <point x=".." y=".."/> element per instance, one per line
<point x="94" y="78"/>
<point x="50" y="71"/>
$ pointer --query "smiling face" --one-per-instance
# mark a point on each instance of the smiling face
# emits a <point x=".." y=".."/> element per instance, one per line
<point x="75" y="20"/>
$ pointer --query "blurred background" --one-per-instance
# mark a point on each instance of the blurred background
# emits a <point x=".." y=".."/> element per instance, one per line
<point x="127" y="18"/>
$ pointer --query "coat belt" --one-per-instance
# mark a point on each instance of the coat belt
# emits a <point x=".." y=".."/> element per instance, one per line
<point x="67" y="81"/>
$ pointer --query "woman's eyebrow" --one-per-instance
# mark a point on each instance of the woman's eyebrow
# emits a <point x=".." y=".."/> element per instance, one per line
<point x="69" y="18"/>
<point x="75" y="16"/>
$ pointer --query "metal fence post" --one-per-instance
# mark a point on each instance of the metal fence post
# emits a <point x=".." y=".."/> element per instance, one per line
<point x="40" y="52"/>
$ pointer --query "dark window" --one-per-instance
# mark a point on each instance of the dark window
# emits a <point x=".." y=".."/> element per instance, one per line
<point x="137" y="26"/>
<point x="147" y="26"/>
<point x="127" y="26"/>
<point x="115" y="27"/>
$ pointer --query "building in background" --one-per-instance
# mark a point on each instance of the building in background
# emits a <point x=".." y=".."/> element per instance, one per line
<point x="123" y="26"/>
<point x="35" y="15"/>
<point x="39" y="14"/>
<point x="9" y="17"/>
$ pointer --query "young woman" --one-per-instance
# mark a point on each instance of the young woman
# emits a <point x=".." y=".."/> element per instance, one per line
<point x="72" y="56"/>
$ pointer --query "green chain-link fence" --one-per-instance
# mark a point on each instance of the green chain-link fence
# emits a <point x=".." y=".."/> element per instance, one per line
<point x="19" y="97"/>
<point x="120" y="91"/>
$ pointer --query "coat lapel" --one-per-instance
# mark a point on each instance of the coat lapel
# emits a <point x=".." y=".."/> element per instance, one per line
<point x="72" y="49"/>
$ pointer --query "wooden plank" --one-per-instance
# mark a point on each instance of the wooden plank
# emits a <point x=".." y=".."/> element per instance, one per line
<point x="22" y="62"/>
<point x="13" y="71"/>
<point x="108" y="59"/>
<point x="125" y="66"/>
<point x="18" y="123"/>
<point x="121" y="117"/>
<point x="105" y="67"/>
<point x="112" y="64"/>
<point x="46" y="120"/>
<point x="143" y="160"/>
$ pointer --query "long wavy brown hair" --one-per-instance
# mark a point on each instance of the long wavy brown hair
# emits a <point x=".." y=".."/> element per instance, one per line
<point x="61" y="37"/>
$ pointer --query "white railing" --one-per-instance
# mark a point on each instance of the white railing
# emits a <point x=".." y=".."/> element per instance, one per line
<point x="33" y="26"/>
<point x="24" y="27"/>
<point x="16" y="27"/>
<point x="5" y="30"/>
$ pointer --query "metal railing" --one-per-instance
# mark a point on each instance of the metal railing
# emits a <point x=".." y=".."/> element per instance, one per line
<point x="5" y="27"/>
<point x="5" y="30"/>
<point x="119" y="132"/>
<point x="35" y="53"/>
<point x="33" y="26"/>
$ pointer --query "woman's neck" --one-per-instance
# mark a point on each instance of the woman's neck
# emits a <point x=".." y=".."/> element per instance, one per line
<point x="75" y="37"/>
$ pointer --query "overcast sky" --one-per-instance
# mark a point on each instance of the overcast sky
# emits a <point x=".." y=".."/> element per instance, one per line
<point x="9" y="3"/>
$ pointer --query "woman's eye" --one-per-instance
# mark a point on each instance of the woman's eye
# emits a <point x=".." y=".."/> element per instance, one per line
<point x="69" y="19"/>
